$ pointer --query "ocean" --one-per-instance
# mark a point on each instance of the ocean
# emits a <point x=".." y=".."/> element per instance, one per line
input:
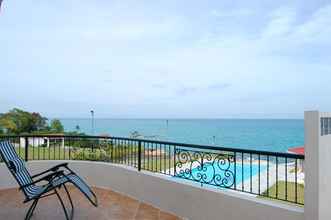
<point x="257" y="134"/>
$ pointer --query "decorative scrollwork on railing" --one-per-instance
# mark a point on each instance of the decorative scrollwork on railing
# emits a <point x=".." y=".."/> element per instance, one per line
<point x="205" y="167"/>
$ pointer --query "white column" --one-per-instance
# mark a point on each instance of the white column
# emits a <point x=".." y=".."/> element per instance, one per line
<point x="317" y="168"/>
<point x="311" y="164"/>
<point x="22" y="141"/>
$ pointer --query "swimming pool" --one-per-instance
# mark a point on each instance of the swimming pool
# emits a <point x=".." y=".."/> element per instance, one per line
<point x="221" y="174"/>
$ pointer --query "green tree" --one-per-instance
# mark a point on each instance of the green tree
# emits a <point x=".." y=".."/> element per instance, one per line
<point x="39" y="122"/>
<point x="56" y="126"/>
<point x="17" y="121"/>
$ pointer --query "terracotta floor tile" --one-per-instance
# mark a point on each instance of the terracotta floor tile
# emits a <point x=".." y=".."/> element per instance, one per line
<point x="112" y="206"/>
<point x="147" y="212"/>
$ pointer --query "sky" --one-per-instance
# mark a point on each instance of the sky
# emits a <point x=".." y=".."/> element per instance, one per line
<point x="166" y="59"/>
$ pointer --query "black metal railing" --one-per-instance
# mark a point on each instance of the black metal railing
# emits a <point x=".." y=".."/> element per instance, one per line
<point x="265" y="174"/>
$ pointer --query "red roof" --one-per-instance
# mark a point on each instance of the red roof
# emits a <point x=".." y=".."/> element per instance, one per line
<point x="297" y="150"/>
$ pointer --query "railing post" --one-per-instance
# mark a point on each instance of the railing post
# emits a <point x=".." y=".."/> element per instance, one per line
<point x="26" y="148"/>
<point x="175" y="161"/>
<point x="139" y="155"/>
<point x="111" y="151"/>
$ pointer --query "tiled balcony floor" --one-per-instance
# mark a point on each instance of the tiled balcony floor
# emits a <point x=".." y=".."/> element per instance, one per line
<point x="112" y="206"/>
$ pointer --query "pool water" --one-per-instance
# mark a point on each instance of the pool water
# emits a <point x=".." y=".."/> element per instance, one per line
<point x="223" y="175"/>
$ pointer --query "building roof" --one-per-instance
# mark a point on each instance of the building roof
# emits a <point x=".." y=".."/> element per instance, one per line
<point x="297" y="150"/>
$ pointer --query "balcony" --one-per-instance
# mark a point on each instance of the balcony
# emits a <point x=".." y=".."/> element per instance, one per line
<point x="165" y="178"/>
<point x="268" y="175"/>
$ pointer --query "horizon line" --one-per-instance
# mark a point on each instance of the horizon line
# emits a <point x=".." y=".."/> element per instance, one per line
<point x="157" y="118"/>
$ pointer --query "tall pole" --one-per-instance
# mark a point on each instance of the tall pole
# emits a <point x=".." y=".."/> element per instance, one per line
<point x="92" y="121"/>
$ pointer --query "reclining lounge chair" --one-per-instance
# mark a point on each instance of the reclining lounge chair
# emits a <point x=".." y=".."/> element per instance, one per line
<point x="45" y="183"/>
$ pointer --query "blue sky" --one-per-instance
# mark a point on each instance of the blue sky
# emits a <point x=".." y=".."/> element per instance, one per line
<point x="166" y="59"/>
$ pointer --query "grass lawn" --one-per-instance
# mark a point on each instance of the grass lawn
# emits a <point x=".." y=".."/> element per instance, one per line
<point x="58" y="153"/>
<point x="155" y="164"/>
<point x="281" y="192"/>
<point x="158" y="164"/>
<point x="43" y="153"/>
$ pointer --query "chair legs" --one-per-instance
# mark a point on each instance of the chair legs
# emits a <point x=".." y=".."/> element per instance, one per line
<point x="35" y="202"/>
<point x="63" y="207"/>
<point x="71" y="203"/>
<point x="31" y="209"/>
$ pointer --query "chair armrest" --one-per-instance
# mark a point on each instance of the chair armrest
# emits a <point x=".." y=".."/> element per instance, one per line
<point x="53" y="169"/>
<point x="48" y="178"/>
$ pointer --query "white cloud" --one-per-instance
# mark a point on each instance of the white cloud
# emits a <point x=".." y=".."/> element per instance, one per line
<point x="285" y="33"/>
<point x="317" y="29"/>
<point x="281" y="23"/>
<point x="225" y="13"/>
<point x="150" y="57"/>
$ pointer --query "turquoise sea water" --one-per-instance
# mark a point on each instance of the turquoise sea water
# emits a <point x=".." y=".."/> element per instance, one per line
<point x="261" y="134"/>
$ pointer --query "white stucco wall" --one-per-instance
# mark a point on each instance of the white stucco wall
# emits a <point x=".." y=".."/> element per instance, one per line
<point x="318" y="173"/>
<point x="312" y="132"/>
<point x="183" y="199"/>
<point x="325" y="177"/>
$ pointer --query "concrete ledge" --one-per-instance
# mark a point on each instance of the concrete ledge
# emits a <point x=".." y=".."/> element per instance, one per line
<point x="181" y="198"/>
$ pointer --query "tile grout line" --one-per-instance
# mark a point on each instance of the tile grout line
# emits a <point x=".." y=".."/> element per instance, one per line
<point x="135" y="215"/>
